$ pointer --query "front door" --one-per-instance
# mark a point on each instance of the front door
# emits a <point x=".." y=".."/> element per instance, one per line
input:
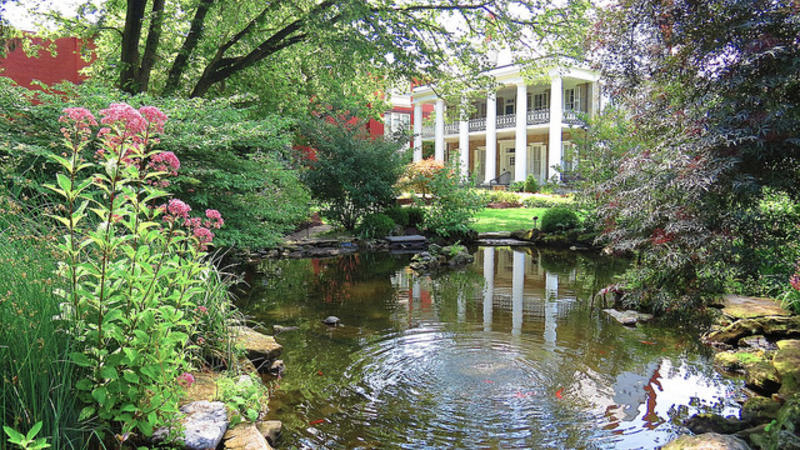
<point x="479" y="163"/>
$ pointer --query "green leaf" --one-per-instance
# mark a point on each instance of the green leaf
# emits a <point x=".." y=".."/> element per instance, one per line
<point x="13" y="434"/>
<point x="80" y="359"/>
<point x="100" y="394"/>
<point x="86" y="412"/>
<point x="84" y="384"/>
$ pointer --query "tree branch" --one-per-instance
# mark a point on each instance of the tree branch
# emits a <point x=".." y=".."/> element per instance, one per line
<point x="189" y="44"/>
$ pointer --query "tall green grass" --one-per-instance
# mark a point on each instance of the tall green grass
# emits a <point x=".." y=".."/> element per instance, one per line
<point x="36" y="379"/>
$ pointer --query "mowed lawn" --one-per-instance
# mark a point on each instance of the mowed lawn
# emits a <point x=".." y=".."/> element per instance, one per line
<point x="510" y="219"/>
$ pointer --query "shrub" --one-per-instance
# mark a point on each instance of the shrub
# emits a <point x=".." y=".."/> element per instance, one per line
<point x="353" y="174"/>
<point x="416" y="216"/>
<point x="398" y="214"/>
<point x="418" y="175"/>
<point x="547" y="201"/>
<point x="135" y="280"/>
<point x="559" y="219"/>
<point x="376" y="225"/>
<point x="502" y="197"/>
<point x="454" y="204"/>
<point x="531" y="185"/>
<point x="232" y="157"/>
<point x="517" y="186"/>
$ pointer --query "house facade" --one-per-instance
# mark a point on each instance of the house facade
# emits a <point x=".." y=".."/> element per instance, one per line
<point x="518" y="129"/>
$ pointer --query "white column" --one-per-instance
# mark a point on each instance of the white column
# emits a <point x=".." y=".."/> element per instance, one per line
<point x="517" y="291"/>
<point x="491" y="137"/>
<point x="521" y="144"/>
<point x="463" y="140"/>
<point x="439" y="131"/>
<point x="595" y="98"/>
<point x="554" y="145"/>
<point x="417" y="132"/>
<point x="488" y="287"/>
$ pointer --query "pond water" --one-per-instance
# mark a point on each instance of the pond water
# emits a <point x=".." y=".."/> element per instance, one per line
<point x="508" y="352"/>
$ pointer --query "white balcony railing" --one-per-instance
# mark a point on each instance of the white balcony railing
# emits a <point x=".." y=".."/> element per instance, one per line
<point x="537" y="117"/>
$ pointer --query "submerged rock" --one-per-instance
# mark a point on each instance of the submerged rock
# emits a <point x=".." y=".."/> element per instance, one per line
<point x="714" y="423"/>
<point x="707" y="441"/>
<point x="270" y="429"/>
<point x="629" y="317"/>
<point x="245" y="436"/>
<point x="331" y="321"/>
<point x="768" y="326"/>
<point x="281" y="328"/>
<point x="760" y="409"/>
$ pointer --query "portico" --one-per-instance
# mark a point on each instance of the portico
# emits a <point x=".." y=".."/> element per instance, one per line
<point x="519" y="129"/>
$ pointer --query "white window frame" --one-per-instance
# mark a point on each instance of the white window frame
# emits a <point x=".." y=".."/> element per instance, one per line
<point x="510" y="102"/>
<point x="541" y="101"/>
<point x="398" y="121"/>
<point x="572" y="99"/>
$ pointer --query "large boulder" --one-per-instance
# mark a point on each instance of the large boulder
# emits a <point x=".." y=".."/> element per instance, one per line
<point x="707" y="441"/>
<point x="741" y="307"/>
<point x="204" y="424"/>
<point x="759" y="409"/>
<point x="787" y="364"/>
<point x="270" y="429"/>
<point x="260" y="348"/>
<point x="769" y="326"/>
<point x="714" y="423"/>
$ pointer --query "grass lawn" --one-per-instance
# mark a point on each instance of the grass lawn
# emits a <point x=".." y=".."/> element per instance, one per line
<point x="510" y="219"/>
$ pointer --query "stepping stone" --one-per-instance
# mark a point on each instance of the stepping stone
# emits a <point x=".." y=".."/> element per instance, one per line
<point x="260" y="347"/>
<point x="245" y="436"/>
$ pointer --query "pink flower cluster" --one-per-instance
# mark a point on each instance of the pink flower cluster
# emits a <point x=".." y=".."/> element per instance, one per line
<point x="794" y="280"/>
<point x="155" y="118"/>
<point x="165" y="162"/>
<point x="200" y="228"/>
<point x="214" y="219"/>
<point x="186" y="380"/>
<point x="176" y="209"/>
<point x="81" y="120"/>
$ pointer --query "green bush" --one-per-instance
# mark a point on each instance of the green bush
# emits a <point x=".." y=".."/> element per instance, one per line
<point x="559" y="219"/>
<point x="531" y="185"/>
<point x="454" y="204"/>
<point x="376" y="225"/>
<point x="353" y="174"/>
<point x="232" y="158"/>
<point x="502" y="197"/>
<point x="398" y="214"/>
<point x="517" y="186"/>
<point x="416" y="216"/>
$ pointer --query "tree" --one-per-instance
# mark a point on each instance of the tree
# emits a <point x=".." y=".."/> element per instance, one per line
<point x="194" y="46"/>
<point x="713" y="88"/>
<point x="353" y="174"/>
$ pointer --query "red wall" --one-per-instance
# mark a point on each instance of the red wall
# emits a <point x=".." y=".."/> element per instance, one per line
<point x="46" y="68"/>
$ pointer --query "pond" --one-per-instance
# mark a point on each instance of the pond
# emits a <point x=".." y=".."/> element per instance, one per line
<point x="508" y="352"/>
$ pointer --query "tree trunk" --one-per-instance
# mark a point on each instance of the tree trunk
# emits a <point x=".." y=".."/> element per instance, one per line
<point x="129" y="60"/>
<point x="151" y="47"/>
<point x="189" y="44"/>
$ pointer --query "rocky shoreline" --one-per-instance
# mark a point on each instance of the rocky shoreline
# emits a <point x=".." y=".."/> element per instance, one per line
<point x="208" y="422"/>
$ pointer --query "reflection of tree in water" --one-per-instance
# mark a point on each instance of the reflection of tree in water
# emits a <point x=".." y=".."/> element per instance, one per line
<point x="334" y="276"/>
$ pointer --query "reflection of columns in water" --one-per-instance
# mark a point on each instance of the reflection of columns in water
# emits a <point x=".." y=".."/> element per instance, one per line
<point x="550" y="307"/>
<point x="488" y="289"/>
<point x="416" y="294"/>
<point x="462" y="306"/>
<point x="517" y="289"/>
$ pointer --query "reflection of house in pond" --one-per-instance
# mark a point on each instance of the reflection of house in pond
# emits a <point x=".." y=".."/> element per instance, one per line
<point x="531" y="291"/>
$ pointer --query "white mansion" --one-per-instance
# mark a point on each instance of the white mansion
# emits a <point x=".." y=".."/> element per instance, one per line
<point x="539" y="118"/>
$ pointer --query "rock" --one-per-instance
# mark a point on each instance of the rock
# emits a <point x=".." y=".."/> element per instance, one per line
<point x="769" y="326"/>
<point x="760" y="409"/>
<point x="331" y="321"/>
<point x="757" y="342"/>
<point x="502" y="242"/>
<point x="204" y="425"/>
<point x="245" y="436"/>
<point x="737" y="361"/>
<point x="707" y="441"/>
<point x="523" y="235"/>
<point x="260" y="347"/>
<point x="629" y="317"/>
<point x="280" y="328"/>
<point x="762" y="377"/>
<point x="787" y="364"/>
<point x="433" y="248"/>
<point x="270" y="429"/>
<point x="495" y="235"/>
<point x="740" y="307"/>
<point x="714" y="423"/>
<point x="203" y="388"/>
<point x="277" y="367"/>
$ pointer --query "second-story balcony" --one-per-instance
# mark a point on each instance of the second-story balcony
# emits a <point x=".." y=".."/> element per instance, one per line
<point x="537" y="117"/>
